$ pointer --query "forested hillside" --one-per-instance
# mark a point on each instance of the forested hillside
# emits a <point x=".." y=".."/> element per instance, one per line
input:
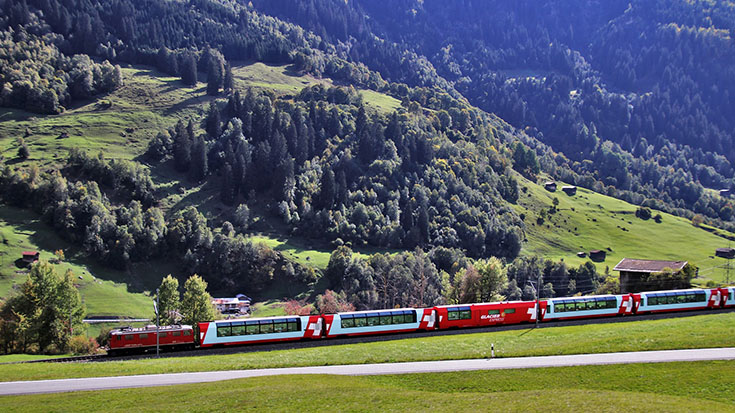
<point x="629" y="99"/>
<point x="641" y="89"/>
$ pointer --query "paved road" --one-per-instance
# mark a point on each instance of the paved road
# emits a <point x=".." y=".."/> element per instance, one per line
<point x="104" y="383"/>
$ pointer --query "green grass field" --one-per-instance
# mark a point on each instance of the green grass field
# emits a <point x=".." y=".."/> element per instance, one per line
<point x="716" y="330"/>
<point x="588" y="221"/>
<point x="103" y="291"/>
<point x="670" y="387"/>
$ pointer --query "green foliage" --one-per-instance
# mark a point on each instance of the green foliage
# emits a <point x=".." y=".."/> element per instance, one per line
<point x="169" y="303"/>
<point x="45" y="313"/>
<point x="23" y="152"/>
<point x="196" y="304"/>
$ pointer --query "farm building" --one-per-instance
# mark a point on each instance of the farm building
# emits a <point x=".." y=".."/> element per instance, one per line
<point x="728" y="253"/>
<point x="240" y="304"/>
<point x="725" y="193"/>
<point x="633" y="270"/>
<point x="29" y="257"/>
<point x="550" y="186"/>
<point x="569" y="189"/>
<point x="598" y="255"/>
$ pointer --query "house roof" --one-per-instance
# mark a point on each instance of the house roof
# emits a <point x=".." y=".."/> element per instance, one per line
<point x="634" y="265"/>
<point x="30" y="252"/>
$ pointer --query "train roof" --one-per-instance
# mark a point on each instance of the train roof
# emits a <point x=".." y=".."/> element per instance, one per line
<point x="677" y="291"/>
<point x="150" y="329"/>
<point x="490" y="303"/>
<point x="382" y="310"/>
<point x="280" y="317"/>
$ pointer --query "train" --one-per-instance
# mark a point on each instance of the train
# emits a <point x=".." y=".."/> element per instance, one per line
<point x="406" y="320"/>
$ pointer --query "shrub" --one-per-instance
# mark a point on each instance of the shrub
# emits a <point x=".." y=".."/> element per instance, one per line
<point x="82" y="345"/>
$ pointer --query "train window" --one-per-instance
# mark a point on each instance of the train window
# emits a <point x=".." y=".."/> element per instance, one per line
<point x="187" y="332"/>
<point x="590" y="304"/>
<point x="600" y="304"/>
<point x="702" y="296"/>
<point x="238" y="328"/>
<point x="294" y="324"/>
<point x="143" y="336"/>
<point x="410" y="316"/>
<point x="119" y="337"/>
<point x="510" y="311"/>
<point x="463" y="315"/>
<point x="492" y="312"/>
<point x="360" y="320"/>
<point x="279" y="327"/>
<point x="348" y="321"/>
<point x="653" y="300"/>
<point x="580" y="305"/>
<point x="569" y="306"/>
<point x="177" y="333"/>
<point x="385" y="319"/>
<point x="224" y="330"/>
<point x="453" y="314"/>
<point x="613" y="303"/>
<point x="373" y="319"/>
<point x="129" y="337"/>
<point x="252" y="327"/>
<point x="266" y="326"/>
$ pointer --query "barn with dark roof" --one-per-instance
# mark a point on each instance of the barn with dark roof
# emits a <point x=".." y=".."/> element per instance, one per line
<point x="633" y="270"/>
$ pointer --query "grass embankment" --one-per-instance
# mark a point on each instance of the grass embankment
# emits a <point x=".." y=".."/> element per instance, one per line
<point x="589" y="221"/>
<point x="717" y="330"/>
<point x="699" y="386"/>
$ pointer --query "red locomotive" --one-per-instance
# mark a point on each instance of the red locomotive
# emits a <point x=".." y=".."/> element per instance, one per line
<point x="128" y="339"/>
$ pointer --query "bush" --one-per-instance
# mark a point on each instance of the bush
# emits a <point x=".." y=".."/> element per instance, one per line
<point x="103" y="337"/>
<point x="643" y="213"/>
<point x="81" y="345"/>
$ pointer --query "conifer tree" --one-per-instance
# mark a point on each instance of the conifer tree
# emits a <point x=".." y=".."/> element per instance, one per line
<point x="189" y="70"/>
<point x="229" y="82"/>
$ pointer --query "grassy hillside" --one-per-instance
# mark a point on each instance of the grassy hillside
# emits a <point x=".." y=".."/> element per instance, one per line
<point x="588" y="221"/>
<point x="104" y="291"/>
<point x="121" y="124"/>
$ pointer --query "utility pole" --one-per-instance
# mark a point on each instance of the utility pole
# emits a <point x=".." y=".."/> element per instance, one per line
<point x="536" y="295"/>
<point x="157" y="321"/>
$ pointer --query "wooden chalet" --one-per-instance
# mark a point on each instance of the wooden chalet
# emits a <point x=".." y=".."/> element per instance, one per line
<point x="550" y="186"/>
<point x="569" y="189"/>
<point x="29" y="257"/>
<point x="728" y="253"/>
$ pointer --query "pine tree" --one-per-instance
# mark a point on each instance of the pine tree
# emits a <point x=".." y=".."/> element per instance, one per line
<point x="189" y="70"/>
<point x="199" y="167"/>
<point x="215" y="74"/>
<point x="328" y="190"/>
<point x="229" y="83"/>
<point x="196" y="305"/>
<point x="227" y="192"/>
<point x="213" y="122"/>
<point x="182" y="148"/>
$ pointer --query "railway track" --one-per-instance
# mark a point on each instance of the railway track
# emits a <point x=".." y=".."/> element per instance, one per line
<point x="378" y="338"/>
